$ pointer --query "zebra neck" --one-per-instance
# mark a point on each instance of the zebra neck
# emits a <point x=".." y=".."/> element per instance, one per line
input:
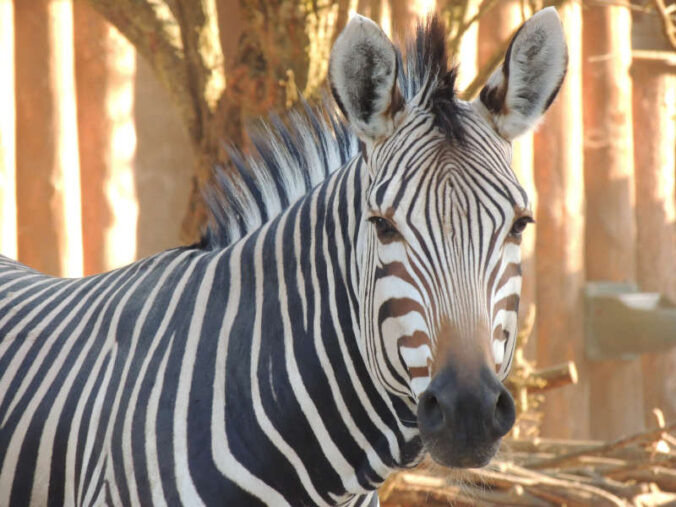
<point x="311" y="391"/>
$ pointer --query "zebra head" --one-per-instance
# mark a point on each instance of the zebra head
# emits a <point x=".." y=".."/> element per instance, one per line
<point x="439" y="266"/>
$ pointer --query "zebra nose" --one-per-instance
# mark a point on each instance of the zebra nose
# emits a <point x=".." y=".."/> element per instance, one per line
<point x="461" y="418"/>
<point x="447" y="402"/>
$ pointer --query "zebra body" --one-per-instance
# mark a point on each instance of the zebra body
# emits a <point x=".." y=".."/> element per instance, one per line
<point x="303" y="350"/>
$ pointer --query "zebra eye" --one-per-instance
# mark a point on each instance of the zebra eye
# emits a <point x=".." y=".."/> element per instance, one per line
<point x="385" y="230"/>
<point x="519" y="225"/>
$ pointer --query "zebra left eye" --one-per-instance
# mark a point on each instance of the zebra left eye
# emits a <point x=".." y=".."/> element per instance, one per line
<point x="519" y="225"/>
<point x="384" y="228"/>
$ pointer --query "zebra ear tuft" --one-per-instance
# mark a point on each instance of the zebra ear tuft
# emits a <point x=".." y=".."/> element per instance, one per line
<point x="363" y="78"/>
<point x="519" y="92"/>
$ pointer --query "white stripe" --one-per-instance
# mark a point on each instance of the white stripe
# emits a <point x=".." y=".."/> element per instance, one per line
<point x="153" y="470"/>
<point x="416" y="357"/>
<point x="184" y="484"/>
<point x="309" y="410"/>
<point x="12" y="455"/>
<point x="224" y="460"/>
<point x="127" y="451"/>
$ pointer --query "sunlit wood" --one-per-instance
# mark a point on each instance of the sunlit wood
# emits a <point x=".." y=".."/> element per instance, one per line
<point x="560" y="241"/>
<point x="406" y="14"/>
<point x="105" y="71"/>
<point x="654" y="110"/>
<point x="610" y="251"/>
<point x="48" y="176"/>
<point x="8" y="231"/>
<point x="467" y="53"/>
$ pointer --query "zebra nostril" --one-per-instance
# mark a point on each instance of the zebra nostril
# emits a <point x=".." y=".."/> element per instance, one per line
<point x="505" y="413"/>
<point x="430" y="412"/>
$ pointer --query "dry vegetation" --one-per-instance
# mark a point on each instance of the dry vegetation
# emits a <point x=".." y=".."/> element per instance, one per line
<point x="637" y="470"/>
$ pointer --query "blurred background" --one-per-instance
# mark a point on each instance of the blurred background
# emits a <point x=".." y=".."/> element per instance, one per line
<point x="115" y="111"/>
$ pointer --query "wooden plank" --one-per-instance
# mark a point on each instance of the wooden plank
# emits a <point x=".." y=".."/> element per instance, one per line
<point x="105" y="74"/>
<point x="654" y="109"/>
<point x="8" y="245"/>
<point x="616" y="396"/>
<point x="559" y="249"/>
<point x="48" y="173"/>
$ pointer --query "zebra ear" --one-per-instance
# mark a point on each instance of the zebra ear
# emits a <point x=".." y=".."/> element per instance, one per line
<point x="363" y="78"/>
<point x="519" y="92"/>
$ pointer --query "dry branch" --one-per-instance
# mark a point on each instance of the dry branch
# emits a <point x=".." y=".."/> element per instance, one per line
<point x="668" y="15"/>
<point x="605" y="449"/>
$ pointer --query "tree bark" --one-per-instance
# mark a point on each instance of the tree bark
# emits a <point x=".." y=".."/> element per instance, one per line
<point x="8" y="245"/>
<point x="616" y="396"/>
<point x="559" y="242"/>
<point x="48" y="181"/>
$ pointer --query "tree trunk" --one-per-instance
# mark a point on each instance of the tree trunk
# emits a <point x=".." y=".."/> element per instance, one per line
<point x="559" y="243"/>
<point x="282" y="50"/>
<point x="8" y="244"/>
<point x="48" y="180"/>
<point x="616" y="396"/>
<point x="107" y="141"/>
<point x="654" y="109"/>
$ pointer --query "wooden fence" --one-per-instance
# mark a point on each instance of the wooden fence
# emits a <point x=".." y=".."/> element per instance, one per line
<point x="95" y="168"/>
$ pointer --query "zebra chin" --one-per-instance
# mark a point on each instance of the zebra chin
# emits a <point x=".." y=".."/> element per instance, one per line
<point x="461" y="421"/>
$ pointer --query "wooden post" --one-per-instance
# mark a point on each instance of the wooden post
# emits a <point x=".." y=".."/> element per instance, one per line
<point x="560" y="242"/>
<point x="48" y="179"/>
<point x="8" y="244"/>
<point x="616" y="398"/>
<point x="654" y="109"/>
<point x="495" y="27"/>
<point x="105" y="69"/>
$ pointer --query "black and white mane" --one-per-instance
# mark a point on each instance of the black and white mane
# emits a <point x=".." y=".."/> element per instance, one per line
<point x="294" y="152"/>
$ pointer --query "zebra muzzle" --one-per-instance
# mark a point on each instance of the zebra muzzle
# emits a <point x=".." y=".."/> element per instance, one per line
<point x="461" y="417"/>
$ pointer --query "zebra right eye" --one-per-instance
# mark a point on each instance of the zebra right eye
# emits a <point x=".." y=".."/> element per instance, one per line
<point x="385" y="230"/>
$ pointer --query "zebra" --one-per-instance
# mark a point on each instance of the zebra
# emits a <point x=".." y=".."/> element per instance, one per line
<point x="350" y="309"/>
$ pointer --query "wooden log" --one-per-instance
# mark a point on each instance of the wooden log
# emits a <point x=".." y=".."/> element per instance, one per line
<point x="48" y="173"/>
<point x="8" y="245"/>
<point x="654" y="109"/>
<point x="105" y="73"/>
<point x="616" y="395"/>
<point x="559" y="246"/>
